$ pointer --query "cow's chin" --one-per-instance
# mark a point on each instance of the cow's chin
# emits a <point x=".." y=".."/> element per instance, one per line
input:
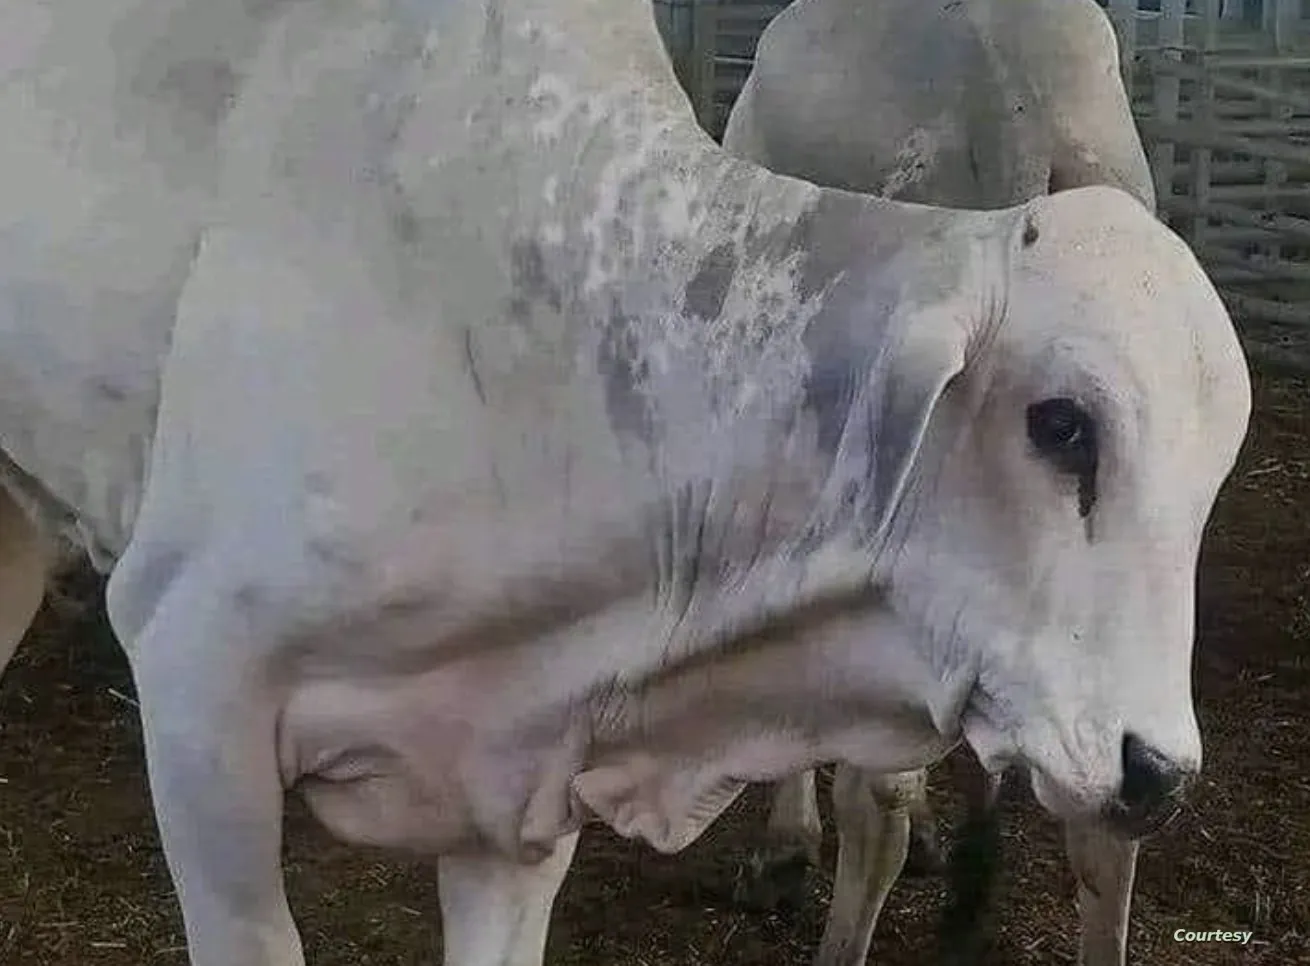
<point x="1060" y="792"/>
<point x="1057" y="800"/>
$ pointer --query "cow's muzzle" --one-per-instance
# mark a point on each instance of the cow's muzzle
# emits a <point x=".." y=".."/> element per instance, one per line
<point x="1152" y="790"/>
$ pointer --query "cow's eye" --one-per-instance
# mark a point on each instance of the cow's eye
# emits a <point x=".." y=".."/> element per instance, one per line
<point x="1060" y="427"/>
<point x="1064" y="433"/>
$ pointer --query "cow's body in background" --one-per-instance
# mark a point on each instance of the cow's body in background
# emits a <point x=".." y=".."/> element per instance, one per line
<point x="959" y="103"/>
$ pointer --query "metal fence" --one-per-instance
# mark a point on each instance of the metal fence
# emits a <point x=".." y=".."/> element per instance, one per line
<point x="712" y="45"/>
<point x="1223" y="104"/>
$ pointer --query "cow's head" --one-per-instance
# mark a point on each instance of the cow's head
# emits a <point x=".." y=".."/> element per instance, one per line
<point x="1053" y="427"/>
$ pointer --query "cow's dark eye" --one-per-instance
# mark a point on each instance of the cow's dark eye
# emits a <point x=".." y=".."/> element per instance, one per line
<point x="1060" y="427"/>
<point x="1064" y="433"/>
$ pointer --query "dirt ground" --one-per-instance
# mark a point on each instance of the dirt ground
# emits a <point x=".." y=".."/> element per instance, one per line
<point x="83" y="883"/>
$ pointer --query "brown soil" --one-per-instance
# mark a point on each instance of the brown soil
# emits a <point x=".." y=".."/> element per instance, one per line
<point x="82" y="880"/>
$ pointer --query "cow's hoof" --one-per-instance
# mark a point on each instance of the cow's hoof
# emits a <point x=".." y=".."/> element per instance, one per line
<point x="774" y="879"/>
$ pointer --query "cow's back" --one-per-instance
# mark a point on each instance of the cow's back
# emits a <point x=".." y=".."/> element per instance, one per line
<point x="941" y="102"/>
<point x="110" y="111"/>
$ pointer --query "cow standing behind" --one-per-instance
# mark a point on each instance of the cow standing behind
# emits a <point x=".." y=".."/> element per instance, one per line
<point x="472" y="443"/>
<point x="970" y="104"/>
<point x="958" y="103"/>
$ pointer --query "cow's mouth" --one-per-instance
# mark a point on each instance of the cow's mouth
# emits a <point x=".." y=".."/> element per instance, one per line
<point x="1136" y="823"/>
<point x="990" y="733"/>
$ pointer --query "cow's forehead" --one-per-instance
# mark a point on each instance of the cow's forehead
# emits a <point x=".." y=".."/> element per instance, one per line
<point x="1110" y="300"/>
<point x="1106" y="264"/>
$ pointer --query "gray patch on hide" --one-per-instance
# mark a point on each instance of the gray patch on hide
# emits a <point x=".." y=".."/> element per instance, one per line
<point x="336" y="552"/>
<point x="843" y="339"/>
<point x="317" y="483"/>
<point x="821" y="263"/>
<point x="619" y="365"/>
<point x="250" y="598"/>
<point x="204" y="87"/>
<point x="852" y="391"/>
<point x="405" y="224"/>
<point x="622" y="230"/>
<point x="493" y="39"/>
<point x="708" y="289"/>
<point x="1030" y="232"/>
<point x="108" y="391"/>
<point x="833" y="384"/>
<point x="529" y="282"/>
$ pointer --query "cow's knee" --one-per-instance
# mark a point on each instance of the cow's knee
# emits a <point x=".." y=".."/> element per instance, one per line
<point x="872" y="813"/>
<point x="908" y="791"/>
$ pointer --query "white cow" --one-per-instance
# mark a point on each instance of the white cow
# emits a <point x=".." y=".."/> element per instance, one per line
<point x="472" y="442"/>
<point x="961" y="103"/>
<point x="970" y="103"/>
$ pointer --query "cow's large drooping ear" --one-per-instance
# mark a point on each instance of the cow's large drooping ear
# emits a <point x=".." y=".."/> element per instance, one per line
<point x="907" y="347"/>
<point x="903" y="392"/>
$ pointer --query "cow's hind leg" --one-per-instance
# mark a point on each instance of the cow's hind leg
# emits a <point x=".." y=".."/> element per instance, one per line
<point x="967" y="926"/>
<point x="775" y="873"/>
<point x="925" y="857"/>
<point x="495" y="911"/>
<point x="872" y="812"/>
<point x="1104" y="866"/>
<point x="209" y="720"/>
<point x="23" y="564"/>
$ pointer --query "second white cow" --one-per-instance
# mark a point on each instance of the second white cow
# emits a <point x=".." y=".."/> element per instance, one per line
<point x="960" y="103"/>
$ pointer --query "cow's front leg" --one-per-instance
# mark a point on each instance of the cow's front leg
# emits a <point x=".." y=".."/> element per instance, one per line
<point x="496" y="911"/>
<point x="872" y="812"/>
<point x="209" y="723"/>
<point x="1104" y="866"/>
<point x="777" y="870"/>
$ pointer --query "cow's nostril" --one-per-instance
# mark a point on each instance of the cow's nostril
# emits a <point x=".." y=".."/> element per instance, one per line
<point x="1149" y="774"/>
<point x="1152" y="788"/>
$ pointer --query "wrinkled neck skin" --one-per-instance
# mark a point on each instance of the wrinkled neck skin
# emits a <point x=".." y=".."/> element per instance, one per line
<point x="612" y="224"/>
<point x="670" y="756"/>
